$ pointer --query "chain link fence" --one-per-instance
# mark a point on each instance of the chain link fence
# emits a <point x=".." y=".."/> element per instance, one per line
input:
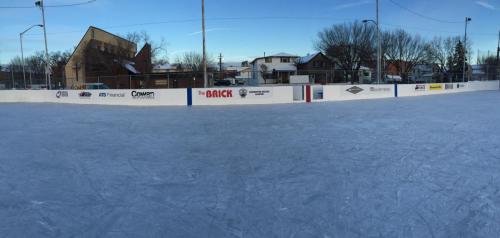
<point x="29" y="80"/>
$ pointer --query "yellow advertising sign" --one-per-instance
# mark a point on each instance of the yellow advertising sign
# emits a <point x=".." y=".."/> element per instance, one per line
<point x="434" y="87"/>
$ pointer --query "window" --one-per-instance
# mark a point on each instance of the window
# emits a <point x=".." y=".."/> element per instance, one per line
<point x="285" y="60"/>
<point x="318" y="64"/>
<point x="269" y="60"/>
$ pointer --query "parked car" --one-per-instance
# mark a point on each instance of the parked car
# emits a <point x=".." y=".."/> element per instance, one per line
<point x="95" y="86"/>
<point x="222" y="82"/>
<point x="235" y="81"/>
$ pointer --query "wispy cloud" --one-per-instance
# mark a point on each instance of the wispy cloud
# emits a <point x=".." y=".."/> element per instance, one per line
<point x="486" y="5"/>
<point x="352" y="4"/>
<point x="208" y="30"/>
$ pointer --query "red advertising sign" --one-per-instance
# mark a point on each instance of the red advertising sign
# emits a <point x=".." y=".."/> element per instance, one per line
<point x="227" y="93"/>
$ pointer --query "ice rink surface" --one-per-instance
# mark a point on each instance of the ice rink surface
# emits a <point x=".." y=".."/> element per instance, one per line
<point x="406" y="167"/>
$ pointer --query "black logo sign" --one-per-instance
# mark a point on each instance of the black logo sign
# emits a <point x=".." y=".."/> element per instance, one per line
<point x="61" y="94"/>
<point x="243" y="92"/>
<point x="85" y="95"/>
<point x="143" y="95"/>
<point x="420" y="87"/>
<point x="355" y="90"/>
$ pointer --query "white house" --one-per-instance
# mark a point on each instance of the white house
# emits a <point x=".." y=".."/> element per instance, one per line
<point x="274" y="68"/>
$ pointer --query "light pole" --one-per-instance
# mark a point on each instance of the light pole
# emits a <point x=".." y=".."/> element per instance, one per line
<point x="467" y="20"/>
<point x="379" y="49"/>
<point x="205" y="76"/>
<point x="39" y="3"/>
<point x="22" y="51"/>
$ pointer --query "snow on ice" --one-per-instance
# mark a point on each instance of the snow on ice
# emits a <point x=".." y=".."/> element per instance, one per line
<point x="405" y="167"/>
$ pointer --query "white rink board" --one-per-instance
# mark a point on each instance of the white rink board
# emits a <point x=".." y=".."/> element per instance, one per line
<point x="357" y="92"/>
<point x="235" y="96"/>
<point x="408" y="90"/>
<point x="243" y="96"/>
<point x="164" y="97"/>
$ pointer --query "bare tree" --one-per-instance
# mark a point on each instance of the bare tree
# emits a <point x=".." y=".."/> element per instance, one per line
<point x="194" y="61"/>
<point x="489" y="66"/>
<point x="404" y="51"/>
<point x="440" y="52"/>
<point x="158" y="48"/>
<point x="351" y="45"/>
<point x="263" y="72"/>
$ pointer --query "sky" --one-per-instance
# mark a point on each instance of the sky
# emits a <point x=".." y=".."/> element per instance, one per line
<point x="240" y="29"/>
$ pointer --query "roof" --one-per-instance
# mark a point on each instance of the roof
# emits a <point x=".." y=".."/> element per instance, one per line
<point x="306" y="59"/>
<point x="130" y="67"/>
<point x="394" y="77"/>
<point x="279" y="55"/>
<point x="237" y="68"/>
<point x="165" y="66"/>
<point x="95" y="28"/>
<point x="282" y="54"/>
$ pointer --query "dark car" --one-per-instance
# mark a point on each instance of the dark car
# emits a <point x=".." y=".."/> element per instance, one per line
<point x="222" y="83"/>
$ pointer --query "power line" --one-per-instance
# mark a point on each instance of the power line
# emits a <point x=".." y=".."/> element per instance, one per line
<point x="53" y="6"/>
<point x="422" y="15"/>
<point x="208" y="19"/>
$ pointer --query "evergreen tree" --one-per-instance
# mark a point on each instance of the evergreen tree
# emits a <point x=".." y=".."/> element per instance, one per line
<point x="457" y="62"/>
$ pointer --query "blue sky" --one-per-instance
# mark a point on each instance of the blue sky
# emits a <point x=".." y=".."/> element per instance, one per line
<point x="239" y="29"/>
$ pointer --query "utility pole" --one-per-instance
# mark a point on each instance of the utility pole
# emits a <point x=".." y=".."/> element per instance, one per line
<point x="498" y="50"/>
<point x="379" y="47"/>
<point x="205" y="76"/>
<point x="22" y="60"/>
<point x="22" y="52"/>
<point x="47" y="61"/>
<point x="220" y="67"/>
<point x="467" y="20"/>
<point x="498" y="58"/>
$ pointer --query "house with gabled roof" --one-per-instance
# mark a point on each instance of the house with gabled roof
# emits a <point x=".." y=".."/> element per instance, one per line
<point x="274" y="69"/>
<point x="319" y="67"/>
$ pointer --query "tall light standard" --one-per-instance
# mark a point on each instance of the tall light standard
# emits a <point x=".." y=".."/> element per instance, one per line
<point x="467" y="20"/>
<point x="22" y="51"/>
<point x="39" y="3"/>
<point x="379" y="51"/>
<point x="205" y="76"/>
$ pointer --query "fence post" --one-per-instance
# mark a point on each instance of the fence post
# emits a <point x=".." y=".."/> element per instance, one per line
<point x="308" y="93"/>
<point x="98" y="85"/>
<point x="396" y="89"/>
<point x="130" y="81"/>
<point x="189" y="97"/>
<point x="12" y="73"/>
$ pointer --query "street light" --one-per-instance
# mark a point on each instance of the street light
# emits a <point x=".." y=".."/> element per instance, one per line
<point x="467" y="20"/>
<point x="39" y="4"/>
<point x="22" y="51"/>
<point x="379" y="51"/>
<point x="205" y="76"/>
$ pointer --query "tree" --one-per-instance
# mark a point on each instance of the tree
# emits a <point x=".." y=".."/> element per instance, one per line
<point x="263" y="72"/>
<point x="456" y="62"/>
<point x="489" y="66"/>
<point x="158" y="49"/>
<point x="350" y="44"/>
<point x="194" y="61"/>
<point x="404" y="51"/>
<point x="440" y="52"/>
